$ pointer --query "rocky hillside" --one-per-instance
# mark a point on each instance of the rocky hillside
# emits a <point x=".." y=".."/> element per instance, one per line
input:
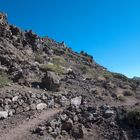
<point x="40" y="76"/>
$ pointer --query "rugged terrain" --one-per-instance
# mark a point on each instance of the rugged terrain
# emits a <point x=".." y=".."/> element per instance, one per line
<point x="50" y="92"/>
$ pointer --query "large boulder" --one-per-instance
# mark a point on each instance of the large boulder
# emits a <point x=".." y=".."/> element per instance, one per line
<point x="51" y="81"/>
<point x="78" y="132"/>
<point x="41" y="106"/>
<point x="108" y="113"/>
<point x="88" y="116"/>
<point x="63" y="101"/>
<point x="67" y="125"/>
<point x="14" y="99"/>
<point x="76" y="101"/>
<point x="3" y="114"/>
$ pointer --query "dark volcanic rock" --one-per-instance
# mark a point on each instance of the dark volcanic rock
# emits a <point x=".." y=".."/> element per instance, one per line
<point x="51" y="81"/>
<point x="77" y="132"/>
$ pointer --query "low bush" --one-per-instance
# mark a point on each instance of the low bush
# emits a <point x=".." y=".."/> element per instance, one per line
<point x="128" y="93"/>
<point x="132" y="117"/>
<point x="4" y="80"/>
<point x="39" y="58"/>
<point x="49" y="67"/>
<point x="107" y="74"/>
<point x="121" y="98"/>
<point x="120" y="76"/>
<point x="60" y="61"/>
<point x="87" y="70"/>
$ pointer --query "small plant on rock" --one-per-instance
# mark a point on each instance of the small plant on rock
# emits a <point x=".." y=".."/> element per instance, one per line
<point x="4" y="80"/>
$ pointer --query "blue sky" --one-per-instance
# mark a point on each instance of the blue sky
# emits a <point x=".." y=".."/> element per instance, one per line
<point x="107" y="29"/>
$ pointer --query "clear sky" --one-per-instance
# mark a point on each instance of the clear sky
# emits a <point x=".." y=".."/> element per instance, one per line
<point x="107" y="29"/>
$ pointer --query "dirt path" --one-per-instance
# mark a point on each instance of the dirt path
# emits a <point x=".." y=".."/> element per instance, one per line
<point x="21" y="130"/>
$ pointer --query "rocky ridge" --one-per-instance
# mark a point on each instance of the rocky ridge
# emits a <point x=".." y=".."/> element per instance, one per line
<point x="38" y="73"/>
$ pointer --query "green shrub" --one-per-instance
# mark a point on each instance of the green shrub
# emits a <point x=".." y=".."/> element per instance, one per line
<point x="4" y="80"/>
<point x="132" y="117"/>
<point x="86" y="55"/>
<point x="84" y="69"/>
<point x="48" y="42"/>
<point x="70" y="55"/>
<point x="87" y="71"/>
<point x="128" y="93"/>
<point x="55" y="68"/>
<point x="107" y="74"/>
<point x="121" y="98"/>
<point x="39" y="58"/>
<point x="120" y="76"/>
<point x="59" y="61"/>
